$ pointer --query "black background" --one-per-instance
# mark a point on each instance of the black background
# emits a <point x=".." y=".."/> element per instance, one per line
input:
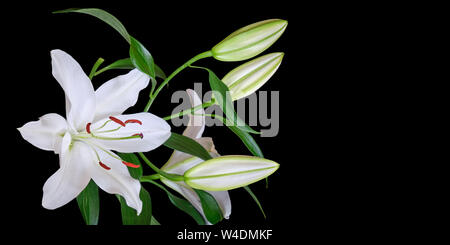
<point x="300" y="199"/>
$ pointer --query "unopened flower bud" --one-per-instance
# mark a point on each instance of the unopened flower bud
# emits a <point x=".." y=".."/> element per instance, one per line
<point x="229" y="172"/>
<point x="249" y="77"/>
<point x="249" y="41"/>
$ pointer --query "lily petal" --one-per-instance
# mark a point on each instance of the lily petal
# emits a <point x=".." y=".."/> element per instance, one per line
<point x="77" y="87"/>
<point x="45" y="133"/>
<point x="72" y="177"/>
<point x="119" y="93"/>
<point x="196" y="124"/>
<point x="154" y="131"/>
<point x="116" y="179"/>
<point x="194" y="130"/>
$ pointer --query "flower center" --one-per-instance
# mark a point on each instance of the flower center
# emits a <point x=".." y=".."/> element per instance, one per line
<point x="94" y="133"/>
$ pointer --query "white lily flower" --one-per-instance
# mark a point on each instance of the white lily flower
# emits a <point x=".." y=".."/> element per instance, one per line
<point x="180" y="162"/>
<point x="94" y="126"/>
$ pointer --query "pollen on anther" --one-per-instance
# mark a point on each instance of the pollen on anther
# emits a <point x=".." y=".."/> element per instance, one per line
<point x="104" y="166"/>
<point x="118" y="121"/>
<point x="88" y="128"/>
<point x="133" y="121"/>
<point x="131" y="165"/>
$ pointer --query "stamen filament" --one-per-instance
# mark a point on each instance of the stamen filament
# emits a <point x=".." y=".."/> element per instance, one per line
<point x="108" y="131"/>
<point x="117" y="138"/>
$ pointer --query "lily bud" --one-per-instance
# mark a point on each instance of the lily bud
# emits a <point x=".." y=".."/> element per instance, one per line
<point x="229" y="172"/>
<point x="249" y="77"/>
<point x="249" y="41"/>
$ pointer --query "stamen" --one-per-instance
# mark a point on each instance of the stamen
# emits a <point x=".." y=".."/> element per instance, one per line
<point x="88" y="128"/>
<point x="133" y="121"/>
<point x="131" y="164"/>
<point x="104" y="166"/>
<point x="139" y="134"/>
<point x="117" y="121"/>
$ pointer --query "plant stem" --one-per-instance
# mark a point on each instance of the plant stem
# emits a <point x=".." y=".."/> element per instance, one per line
<point x="189" y="111"/>
<point x="195" y="58"/>
<point x="173" y="177"/>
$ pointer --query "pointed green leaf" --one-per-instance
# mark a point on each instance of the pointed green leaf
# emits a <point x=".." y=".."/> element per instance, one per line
<point x="187" y="145"/>
<point x="89" y="203"/>
<point x="222" y="97"/>
<point x="102" y="15"/>
<point x="127" y="64"/>
<point x="210" y="207"/>
<point x="153" y="221"/>
<point x="141" y="58"/>
<point x="249" y="191"/>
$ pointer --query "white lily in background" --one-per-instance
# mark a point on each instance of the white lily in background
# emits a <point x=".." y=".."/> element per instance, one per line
<point x="94" y="126"/>
<point x="180" y="162"/>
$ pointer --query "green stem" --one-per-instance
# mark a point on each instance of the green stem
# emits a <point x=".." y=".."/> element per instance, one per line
<point x="195" y="58"/>
<point x="173" y="177"/>
<point x="150" y="177"/>
<point x="189" y="111"/>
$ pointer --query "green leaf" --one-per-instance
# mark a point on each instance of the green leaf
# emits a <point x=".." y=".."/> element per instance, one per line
<point x="129" y="215"/>
<point x="180" y="203"/>
<point x="223" y="98"/>
<point x="187" y="145"/>
<point x="153" y="221"/>
<point x="141" y="58"/>
<point x="210" y="207"/>
<point x="127" y="64"/>
<point x="248" y="141"/>
<point x="89" y="203"/>
<point x="159" y="72"/>
<point x="132" y="158"/>
<point x="249" y="191"/>
<point x="102" y="15"/>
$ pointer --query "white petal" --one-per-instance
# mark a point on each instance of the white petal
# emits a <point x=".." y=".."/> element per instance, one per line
<point x="119" y="93"/>
<point x="196" y="124"/>
<point x="223" y="199"/>
<point x="77" y="87"/>
<point x="155" y="132"/>
<point x="45" y="133"/>
<point x="229" y="172"/>
<point x="117" y="179"/>
<point x="72" y="177"/>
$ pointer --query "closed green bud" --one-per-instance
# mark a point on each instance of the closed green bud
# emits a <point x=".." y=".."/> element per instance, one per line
<point x="249" y="77"/>
<point x="229" y="172"/>
<point x="249" y="41"/>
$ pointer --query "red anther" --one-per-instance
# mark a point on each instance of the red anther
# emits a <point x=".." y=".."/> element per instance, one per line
<point x="131" y="164"/>
<point x="139" y="134"/>
<point x="133" y="121"/>
<point x="117" y="121"/>
<point x="88" y="128"/>
<point x="104" y="166"/>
